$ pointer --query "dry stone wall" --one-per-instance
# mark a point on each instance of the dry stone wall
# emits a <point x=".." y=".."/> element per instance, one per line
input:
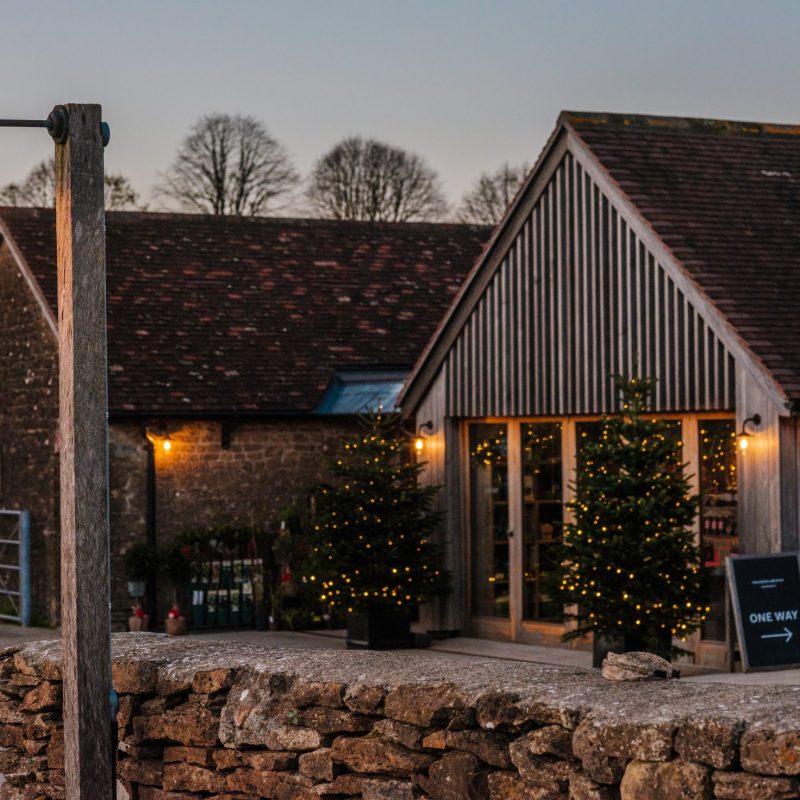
<point x="233" y="721"/>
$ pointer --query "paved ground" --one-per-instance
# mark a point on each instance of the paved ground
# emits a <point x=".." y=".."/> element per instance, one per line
<point x="460" y="648"/>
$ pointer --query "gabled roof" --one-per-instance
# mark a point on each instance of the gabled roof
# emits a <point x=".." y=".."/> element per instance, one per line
<point x="222" y="315"/>
<point x="724" y="199"/>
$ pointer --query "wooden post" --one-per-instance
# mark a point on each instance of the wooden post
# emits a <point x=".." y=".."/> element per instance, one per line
<point x="85" y="615"/>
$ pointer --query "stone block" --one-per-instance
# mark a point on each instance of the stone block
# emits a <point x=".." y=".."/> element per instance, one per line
<point x="201" y="756"/>
<point x="334" y="720"/>
<point x="367" y="754"/>
<point x="365" y="699"/>
<point x="41" y="726"/>
<point x="456" y="776"/>
<point x="741" y="786"/>
<point x="318" y="693"/>
<point x="435" y="741"/>
<point x="275" y="785"/>
<point x="147" y="771"/>
<point x="547" y="772"/>
<point x="709" y="741"/>
<point x="510" y="786"/>
<point x="188" y="724"/>
<point x="666" y="781"/>
<point x="551" y="740"/>
<point x="167" y="685"/>
<point x="318" y="765"/>
<point x="368" y="788"/>
<point x="227" y="758"/>
<point x="44" y="697"/>
<point x="182" y="777"/>
<point x="490" y="747"/>
<point x="10" y="713"/>
<point x="136" y="677"/>
<point x="499" y="711"/>
<point x="642" y="741"/>
<point x="588" y="746"/>
<point x="582" y="787"/>
<point x="771" y="752"/>
<point x="154" y="793"/>
<point x="213" y="681"/>
<point x="409" y="736"/>
<point x="269" y="760"/>
<point x="423" y="705"/>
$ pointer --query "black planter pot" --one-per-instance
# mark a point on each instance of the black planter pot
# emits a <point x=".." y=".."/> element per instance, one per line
<point x="378" y="629"/>
<point x="603" y="644"/>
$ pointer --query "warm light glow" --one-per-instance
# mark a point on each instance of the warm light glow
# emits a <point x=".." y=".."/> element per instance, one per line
<point x="167" y="445"/>
<point x="743" y="442"/>
<point x="419" y="444"/>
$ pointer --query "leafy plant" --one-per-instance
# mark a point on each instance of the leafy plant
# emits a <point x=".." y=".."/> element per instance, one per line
<point x="141" y="562"/>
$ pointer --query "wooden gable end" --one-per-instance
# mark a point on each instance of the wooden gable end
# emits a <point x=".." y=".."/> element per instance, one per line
<point x="577" y="297"/>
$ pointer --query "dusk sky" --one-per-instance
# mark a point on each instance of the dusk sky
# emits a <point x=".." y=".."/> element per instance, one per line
<point x="467" y="85"/>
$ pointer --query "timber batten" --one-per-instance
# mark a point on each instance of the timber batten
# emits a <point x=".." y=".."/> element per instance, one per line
<point x="577" y="298"/>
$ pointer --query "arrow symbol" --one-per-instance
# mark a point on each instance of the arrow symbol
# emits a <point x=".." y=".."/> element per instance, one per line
<point x="787" y="634"/>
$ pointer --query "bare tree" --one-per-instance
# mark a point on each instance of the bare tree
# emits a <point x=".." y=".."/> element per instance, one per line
<point x="362" y="179"/>
<point x="39" y="190"/>
<point x="229" y="165"/>
<point x="487" y="201"/>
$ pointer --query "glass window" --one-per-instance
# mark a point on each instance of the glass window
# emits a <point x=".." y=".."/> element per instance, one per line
<point x="543" y="515"/>
<point x="718" y="536"/>
<point x="488" y="458"/>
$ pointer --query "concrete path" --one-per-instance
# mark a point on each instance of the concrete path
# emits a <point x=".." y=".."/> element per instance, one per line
<point x="460" y="648"/>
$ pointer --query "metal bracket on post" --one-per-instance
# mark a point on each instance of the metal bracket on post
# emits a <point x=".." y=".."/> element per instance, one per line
<point x="57" y="125"/>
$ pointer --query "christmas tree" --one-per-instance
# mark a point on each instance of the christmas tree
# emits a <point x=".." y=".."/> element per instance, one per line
<point x="371" y="538"/>
<point x="629" y="563"/>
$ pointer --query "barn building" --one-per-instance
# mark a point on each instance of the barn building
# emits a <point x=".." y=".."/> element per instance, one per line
<point x="664" y="247"/>
<point x="240" y="352"/>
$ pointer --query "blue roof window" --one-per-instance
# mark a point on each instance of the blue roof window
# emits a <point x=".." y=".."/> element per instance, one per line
<point x="360" y="391"/>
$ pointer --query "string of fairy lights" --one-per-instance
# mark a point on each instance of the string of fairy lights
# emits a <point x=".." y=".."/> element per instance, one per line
<point x="372" y="535"/>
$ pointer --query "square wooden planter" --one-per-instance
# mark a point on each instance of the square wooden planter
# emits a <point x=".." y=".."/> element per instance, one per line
<point x="378" y="629"/>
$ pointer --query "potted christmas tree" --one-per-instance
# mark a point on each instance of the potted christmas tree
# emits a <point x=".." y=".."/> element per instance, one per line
<point x="630" y="570"/>
<point x="372" y="553"/>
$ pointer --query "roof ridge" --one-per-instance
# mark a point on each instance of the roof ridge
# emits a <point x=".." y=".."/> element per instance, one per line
<point x="692" y="125"/>
<point x="214" y="219"/>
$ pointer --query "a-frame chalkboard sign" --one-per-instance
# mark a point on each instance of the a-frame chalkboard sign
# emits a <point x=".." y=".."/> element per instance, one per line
<point x="765" y="594"/>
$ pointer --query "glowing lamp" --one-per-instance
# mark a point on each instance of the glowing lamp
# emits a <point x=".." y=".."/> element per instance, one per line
<point x="167" y="445"/>
<point x="743" y="437"/>
<point x="419" y="442"/>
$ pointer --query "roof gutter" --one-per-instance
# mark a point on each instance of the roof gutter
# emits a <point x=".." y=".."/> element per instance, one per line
<point x="124" y="416"/>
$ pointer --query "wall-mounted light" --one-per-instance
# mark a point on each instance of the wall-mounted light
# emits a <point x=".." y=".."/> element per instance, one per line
<point x="159" y="437"/>
<point x="743" y="437"/>
<point x="419" y="442"/>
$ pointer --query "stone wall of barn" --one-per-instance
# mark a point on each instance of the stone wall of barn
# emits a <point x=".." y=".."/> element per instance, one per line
<point x="267" y="468"/>
<point x="198" y="721"/>
<point x="28" y="430"/>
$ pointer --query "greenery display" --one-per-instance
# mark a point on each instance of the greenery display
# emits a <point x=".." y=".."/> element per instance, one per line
<point x="371" y="537"/>
<point x="141" y="562"/>
<point x="629" y="563"/>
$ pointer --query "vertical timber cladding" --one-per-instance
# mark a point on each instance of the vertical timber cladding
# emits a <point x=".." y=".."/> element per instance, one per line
<point x="576" y="299"/>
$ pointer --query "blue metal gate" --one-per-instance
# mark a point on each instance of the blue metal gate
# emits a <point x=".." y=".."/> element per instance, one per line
<point x="15" y="566"/>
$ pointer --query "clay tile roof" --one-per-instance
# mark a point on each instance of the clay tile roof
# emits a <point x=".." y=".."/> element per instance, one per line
<point x="725" y="198"/>
<point x="224" y="314"/>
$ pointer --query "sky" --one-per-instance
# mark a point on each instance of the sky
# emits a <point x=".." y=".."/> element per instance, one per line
<point x="467" y="85"/>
